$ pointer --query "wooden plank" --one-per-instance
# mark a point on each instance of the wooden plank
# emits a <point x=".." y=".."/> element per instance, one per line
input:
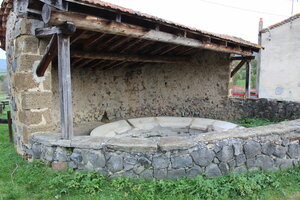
<point x="90" y="42"/>
<point x="93" y="23"/>
<point x="10" y="131"/>
<point x="129" y="57"/>
<point x="237" y="68"/>
<point x="65" y="89"/>
<point x="48" y="56"/>
<point x="242" y="58"/>
<point x="75" y="37"/>
<point x="45" y="32"/>
<point x="248" y="80"/>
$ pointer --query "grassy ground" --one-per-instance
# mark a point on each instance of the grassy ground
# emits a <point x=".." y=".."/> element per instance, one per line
<point x="22" y="180"/>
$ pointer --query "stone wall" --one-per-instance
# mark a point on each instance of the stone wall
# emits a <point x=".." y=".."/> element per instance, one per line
<point x="31" y="96"/>
<point x="273" y="147"/>
<point x="149" y="90"/>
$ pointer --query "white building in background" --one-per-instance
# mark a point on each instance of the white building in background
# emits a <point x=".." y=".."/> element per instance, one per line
<point x="279" y="71"/>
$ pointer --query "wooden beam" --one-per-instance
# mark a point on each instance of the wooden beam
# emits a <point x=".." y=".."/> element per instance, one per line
<point x="65" y="89"/>
<point x="129" y="58"/>
<point x="49" y="55"/>
<point x="93" y="23"/>
<point x="237" y="68"/>
<point x="242" y="58"/>
<point x="248" y="80"/>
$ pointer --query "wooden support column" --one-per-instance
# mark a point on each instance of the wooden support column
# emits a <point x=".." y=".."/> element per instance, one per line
<point x="65" y="89"/>
<point x="248" y="80"/>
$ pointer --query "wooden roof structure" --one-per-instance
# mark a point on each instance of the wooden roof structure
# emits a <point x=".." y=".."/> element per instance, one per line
<point x="93" y="33"/>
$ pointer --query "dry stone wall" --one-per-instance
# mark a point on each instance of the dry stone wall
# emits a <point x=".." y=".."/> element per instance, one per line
<point x="273" y="147"/>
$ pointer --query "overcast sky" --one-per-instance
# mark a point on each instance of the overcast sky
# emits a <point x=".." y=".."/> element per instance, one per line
<point x="232" y="17"/>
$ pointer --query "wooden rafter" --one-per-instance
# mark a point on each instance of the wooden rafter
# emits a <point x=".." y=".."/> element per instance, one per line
<point x="129" y="57"/>
<point x="93" y="23"/>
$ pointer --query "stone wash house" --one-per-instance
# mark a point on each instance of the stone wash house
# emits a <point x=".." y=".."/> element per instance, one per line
<point x="280" y="63"/>
<point x="75" y="65"/>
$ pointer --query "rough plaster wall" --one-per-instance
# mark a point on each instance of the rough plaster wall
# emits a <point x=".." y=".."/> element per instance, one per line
<point x="149" y="90"/>
<point x="280" y="63"/>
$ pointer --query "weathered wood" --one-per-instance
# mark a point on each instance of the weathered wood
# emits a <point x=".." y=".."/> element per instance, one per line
<point x="75" y="37"/>
<point x="130" y="58"/>
<point x="237" y="68"/>
<point x="242" y="58"/>
<point x="67" y="28"/>
<point x="46" y="13"/>
<point x="65" y="89"/>
<point x="91" y="41"/>
<point x="248" y="80"/>
<point x="92" y="23"/>
<point x="10" y="131"/>
<point x="48" y="56"/>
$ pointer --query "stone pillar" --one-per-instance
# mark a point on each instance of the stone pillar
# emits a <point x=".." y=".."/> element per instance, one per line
<point x="31" y="95"/>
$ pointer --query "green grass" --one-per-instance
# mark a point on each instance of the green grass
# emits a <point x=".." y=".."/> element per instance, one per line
<point x="240" y="82"/>
<point x="253" y="122"/>
<point x="20" y="179"/>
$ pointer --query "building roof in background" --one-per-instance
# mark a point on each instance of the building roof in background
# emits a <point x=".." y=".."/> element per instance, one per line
<point x="290" y="19"/>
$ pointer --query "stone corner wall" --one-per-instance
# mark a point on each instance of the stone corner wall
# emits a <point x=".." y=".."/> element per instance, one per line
<point x="30" y="95"/>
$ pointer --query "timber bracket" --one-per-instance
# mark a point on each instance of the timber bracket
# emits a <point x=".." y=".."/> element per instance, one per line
<point x="66" y="29"/>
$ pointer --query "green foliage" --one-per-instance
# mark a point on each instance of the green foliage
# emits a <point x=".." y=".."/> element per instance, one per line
<point x="253" y="122"/>
<point x="240" y="77"/>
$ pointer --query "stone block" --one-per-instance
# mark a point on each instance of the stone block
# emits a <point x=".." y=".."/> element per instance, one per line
<point x="96" y="158"/>
<point x="36" y="100"/>
<point x="24" y="81"/>
<point x="28" y="117"/>
<point x="224" y="168"/>
<point x="240" y="160"/>
<point x="284" y="164"/>
<point x="132" y="144"/>
<point x="147" y="174"/>
<point x="223" y="126"/>
<point x="280" y="151"/>
<point x="252" y="149"/>
<point x="175" y="143"/>
<point x="181" y="161"/>
<point x="194" y="171"/>
<point x="237" y="148"/>
<point x="225" y="154"/>
<point x="294" y="150"/>
<point x="160" y="162"/>
<point x="115" y="163"/>
<point x="146" y="123"/>
<point x="174" y="122"/>
<point x="25" y="62"/>
<point x="201" y="123"/>
<point x="160" y="173"/>
<point x="111" y="129"/>
<point x="176" y="173"/>
<point x="30" y="130"/>
<point x="25" y="26"/>
<point x="61" y="154"/>
<point x="59" y="165"/>
<point x="36" y="150"/>
<point x="144" y="161"/>
<point x="241" y="169"/>
<point x="26" y="44"/>
<point x="129" y="162"/>
<point x="268" y="148"/>
<point x="47" y="82"/>
<point x="264" y="162"/>
<point x="212" y="170"/>
<point x="203" y="156"/>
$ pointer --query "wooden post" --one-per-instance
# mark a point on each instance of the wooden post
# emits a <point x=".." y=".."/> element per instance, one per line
<point x="9" y="126"/>
<point x="65" y="89"/>
<point x="248" y="80"/>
